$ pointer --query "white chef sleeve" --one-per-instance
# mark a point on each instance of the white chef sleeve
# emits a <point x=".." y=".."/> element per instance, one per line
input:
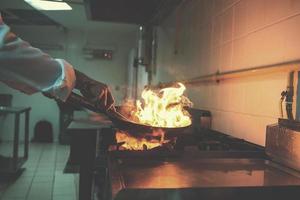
<point x="30" y="70"/>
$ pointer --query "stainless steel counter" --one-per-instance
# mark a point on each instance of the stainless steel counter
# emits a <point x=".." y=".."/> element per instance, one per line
<point x="190" y="176"/>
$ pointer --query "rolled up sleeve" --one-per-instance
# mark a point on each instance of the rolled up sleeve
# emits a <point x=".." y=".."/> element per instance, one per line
<point x="30" y="70"/>
<point x="65" y="83"/>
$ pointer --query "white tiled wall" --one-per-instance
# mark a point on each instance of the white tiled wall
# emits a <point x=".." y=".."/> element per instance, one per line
<point x="224" y="35"/>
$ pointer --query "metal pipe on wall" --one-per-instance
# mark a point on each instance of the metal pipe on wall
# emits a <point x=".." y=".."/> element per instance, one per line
<point x="138" y="60"/>
<point x="252" y="71"/>
<point x="289" y="67"/>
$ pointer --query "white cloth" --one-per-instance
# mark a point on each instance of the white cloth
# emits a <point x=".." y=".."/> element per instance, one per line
<point x="30" y="70"/>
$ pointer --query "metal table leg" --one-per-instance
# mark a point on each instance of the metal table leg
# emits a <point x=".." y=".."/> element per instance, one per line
<point x="16" y="142"/>
<point x="87" y="162"/>
<point x="26" y="138"/>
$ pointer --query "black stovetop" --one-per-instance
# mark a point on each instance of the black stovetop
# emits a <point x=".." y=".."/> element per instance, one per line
<point x="209" y="140"/>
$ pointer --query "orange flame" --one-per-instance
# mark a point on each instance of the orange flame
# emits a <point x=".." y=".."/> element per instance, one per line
<point x="164" y="108"/>
<point x="132" y="143"/>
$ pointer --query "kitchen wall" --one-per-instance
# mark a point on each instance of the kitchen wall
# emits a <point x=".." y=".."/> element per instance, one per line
<point x="208" y="36"/>
<point x="113" y="73"/>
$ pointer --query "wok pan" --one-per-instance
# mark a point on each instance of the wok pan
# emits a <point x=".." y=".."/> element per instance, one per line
<point x="120" y="121"/>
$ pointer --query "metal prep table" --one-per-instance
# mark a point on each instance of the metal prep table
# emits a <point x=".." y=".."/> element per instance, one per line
<point x="84" y="139"/>
<point x="12" y="165"/>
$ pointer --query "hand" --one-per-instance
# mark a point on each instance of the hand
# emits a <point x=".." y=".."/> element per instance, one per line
<point x="100" y="94"/>
<point x="95" y="91"/>
<point x="46" y="94"/>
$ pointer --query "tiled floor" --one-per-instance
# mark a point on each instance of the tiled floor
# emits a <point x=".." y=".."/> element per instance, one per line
<point x="43" y="178"/>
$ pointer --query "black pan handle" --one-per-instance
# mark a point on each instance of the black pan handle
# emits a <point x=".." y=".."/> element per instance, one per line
<point x="78" y="100"/>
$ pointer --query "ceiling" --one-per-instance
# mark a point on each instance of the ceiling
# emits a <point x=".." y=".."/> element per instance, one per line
<point x="75" y="19"/>
<point x="141" y="12"/>
<point x="26" y="17"/>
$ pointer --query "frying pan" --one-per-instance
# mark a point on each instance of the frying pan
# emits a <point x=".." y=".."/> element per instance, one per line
<point x="120" y="121"/>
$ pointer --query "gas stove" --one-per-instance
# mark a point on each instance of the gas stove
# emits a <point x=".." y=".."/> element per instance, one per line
<point x="202" y="164"/>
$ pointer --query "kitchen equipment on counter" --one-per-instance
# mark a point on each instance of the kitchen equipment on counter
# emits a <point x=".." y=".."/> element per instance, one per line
<point x="283" y="145"/>
<point x="201" y="119"/>
<point x="289" y="123"/>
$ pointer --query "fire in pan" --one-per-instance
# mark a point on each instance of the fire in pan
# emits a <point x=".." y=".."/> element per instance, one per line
<point x="147" y="117"/>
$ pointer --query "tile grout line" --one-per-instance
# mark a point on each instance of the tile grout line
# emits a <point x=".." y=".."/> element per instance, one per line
<point x="55" y="167"/>
<point x="35" y="171"/>
<point x="238" y="112"/>
<point x="267" y="25"/>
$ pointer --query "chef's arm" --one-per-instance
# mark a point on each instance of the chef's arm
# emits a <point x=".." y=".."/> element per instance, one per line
<point x="30" y="70"/>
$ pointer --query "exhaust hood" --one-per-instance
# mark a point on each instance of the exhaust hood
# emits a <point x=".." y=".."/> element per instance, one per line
<point x="141" y="12"/>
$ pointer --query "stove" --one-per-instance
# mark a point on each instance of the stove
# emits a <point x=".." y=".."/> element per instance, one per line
<point x="202" y="164"/>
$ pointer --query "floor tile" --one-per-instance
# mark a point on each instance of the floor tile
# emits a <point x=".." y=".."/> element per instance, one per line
<point x="64" y="197"/>
<point x="43" y="178"/>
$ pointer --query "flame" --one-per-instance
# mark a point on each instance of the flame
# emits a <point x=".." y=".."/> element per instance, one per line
<point x="164" y="108"/>
<point x="133" y="143"/>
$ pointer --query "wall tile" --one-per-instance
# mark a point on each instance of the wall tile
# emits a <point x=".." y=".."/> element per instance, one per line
<point x="217" y="6"/>
<point x="229" y="97"/>
<point x="227" y="3"/>
<point x="240" y="19"/>
<point x="212" y="95"/>
<point x="218" y="93"/>
<point x="205" y="11"/>
<point x="277" y="9"/>
<point x="255" y="50"/>
<point x="215" y="58"/>
<point x="227" y="120"/>
<point x="271" y="88"/>
<point x="255" y="14"/>
<point x="239" y="97"/>
<point x="273" y="44"/>
<point x="217" y="123"/>
<point x="216" y="31"/>
<point x="195" y="94"/>
<point x="204" y="63"/>
<point x="291" y="33"/>
<point x="222" y="101"/>
<point x="239" y="57"/>
<point x="252" y="97"/>
<point x="227" y="25"/>
<point x="294" y="6"/>
<point x="239" y="125"/>
<point x="250" y="132"/>
<point x="226" y="57"/>
<point x="205" y="39"/>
